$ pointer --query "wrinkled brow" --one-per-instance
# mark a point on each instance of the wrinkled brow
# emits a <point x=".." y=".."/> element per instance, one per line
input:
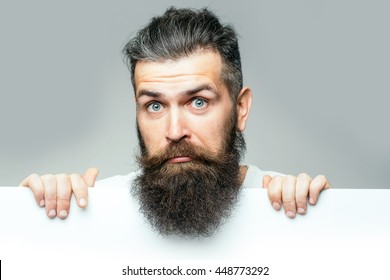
<point x="156" y="94"/>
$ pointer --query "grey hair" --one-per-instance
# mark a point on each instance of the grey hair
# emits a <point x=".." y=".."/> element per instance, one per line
<point x="181" y="32"/>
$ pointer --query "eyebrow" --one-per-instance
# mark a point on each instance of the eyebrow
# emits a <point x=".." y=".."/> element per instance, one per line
<point x="156" y="94"/>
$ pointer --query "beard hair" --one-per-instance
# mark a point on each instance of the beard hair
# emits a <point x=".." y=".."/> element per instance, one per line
<point x="193" y="198"/>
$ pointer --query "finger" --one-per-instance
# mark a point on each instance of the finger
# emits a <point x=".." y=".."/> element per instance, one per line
<point x="288" y="195"/>
<point x="302" y="192"/>
<point x="90" y="176"/>
<point x="275" y="192"/>
<point x="50" y="186"/>
<point x="266" y="181"/>
<point x="318" y="184"/>
<point x="35" y="184"/>
<point x="80" y="190"/>
<point x="64" y="193"/>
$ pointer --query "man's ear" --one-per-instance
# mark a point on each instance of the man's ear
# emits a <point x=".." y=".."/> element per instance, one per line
<point x="244" y="102"/>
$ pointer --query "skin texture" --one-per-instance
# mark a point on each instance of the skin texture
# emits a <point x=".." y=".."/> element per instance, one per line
<point x="175" y="88"/>
<point x="293" y="193"/>
<point x="176" y="100"/>
<point x="54" y="191"/>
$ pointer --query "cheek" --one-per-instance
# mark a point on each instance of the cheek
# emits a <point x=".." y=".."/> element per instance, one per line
<point x="211" y="133"/>
<point x="151" y="136"/>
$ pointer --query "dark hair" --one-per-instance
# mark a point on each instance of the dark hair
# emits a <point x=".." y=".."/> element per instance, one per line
<point x="182" y="32"/>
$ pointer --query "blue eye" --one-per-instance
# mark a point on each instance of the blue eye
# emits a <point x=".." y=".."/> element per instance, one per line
<point x="198" y="103"/>
<point x="154" y="107"/>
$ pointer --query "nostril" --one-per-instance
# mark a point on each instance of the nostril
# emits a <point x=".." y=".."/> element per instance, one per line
<point x="177" y="140"/>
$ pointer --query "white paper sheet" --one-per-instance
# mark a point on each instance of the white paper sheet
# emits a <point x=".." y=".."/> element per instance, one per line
<point x="345" y="225"/>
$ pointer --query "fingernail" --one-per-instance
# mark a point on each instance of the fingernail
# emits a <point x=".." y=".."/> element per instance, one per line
<point x="276" y="206"/>
<point x="290" y="214"/>
<point x="42" y="203"/>
<point x="301" y="210"/>
<point x="63" y="213"/>
<point x="52" y="213"/>
<point x="83" y="202"/>
<point x="311" y="200"/>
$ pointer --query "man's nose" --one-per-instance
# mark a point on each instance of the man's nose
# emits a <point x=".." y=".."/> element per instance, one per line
<point x="177" y="129"/>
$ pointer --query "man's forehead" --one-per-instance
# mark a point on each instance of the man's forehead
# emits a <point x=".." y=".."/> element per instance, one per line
<point x="201" y="67"/>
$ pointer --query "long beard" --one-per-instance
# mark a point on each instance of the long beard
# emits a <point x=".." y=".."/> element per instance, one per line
<point x="192" y="198"/>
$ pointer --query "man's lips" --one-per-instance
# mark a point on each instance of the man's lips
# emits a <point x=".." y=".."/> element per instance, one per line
<point x="180" y="159"/>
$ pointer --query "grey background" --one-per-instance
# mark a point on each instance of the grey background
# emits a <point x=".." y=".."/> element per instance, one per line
<point x="319" y="71"/>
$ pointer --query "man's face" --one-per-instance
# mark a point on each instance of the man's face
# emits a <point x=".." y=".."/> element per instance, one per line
<point x="183" y="100"/>
<point x="190" y="147"/>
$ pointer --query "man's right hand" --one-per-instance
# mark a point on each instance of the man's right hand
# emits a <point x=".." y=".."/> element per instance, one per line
<point x="55" y="191"/>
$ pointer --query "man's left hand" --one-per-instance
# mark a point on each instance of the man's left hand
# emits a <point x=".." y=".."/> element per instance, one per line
<point x="293" y="192"/>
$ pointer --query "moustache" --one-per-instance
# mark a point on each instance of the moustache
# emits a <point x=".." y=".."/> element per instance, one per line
<point x="183" y="149"/>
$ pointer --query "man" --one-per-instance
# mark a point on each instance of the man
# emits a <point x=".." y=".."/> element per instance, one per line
<point x="191" y="111"/>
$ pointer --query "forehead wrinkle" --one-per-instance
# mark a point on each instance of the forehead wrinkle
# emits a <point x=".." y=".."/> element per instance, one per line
<point x="176" y="77"/>
<point x="188" y="82"/>
<point x="180" y="75"/>
<point x="188" y="92"/>
<point x="204" y="63"/>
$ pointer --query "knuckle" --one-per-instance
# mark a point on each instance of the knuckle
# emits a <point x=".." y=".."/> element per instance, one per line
<point x="50" y="197"/>
<point x="301" y="201"/>
<point x="301" y="196"/>
<point x="75" y="176"/>
<point x="31" y="181"/>
<point x="49" y="178"/>
<point x="34" y="176"/>
<point x="321" y="178"/>
<point x="289" y="179"/>
<point x="290" y="176"/>
<point x="277" y="178"/>
<point x="63" y="200"/>
<point x="274" y="185"/>
<point x="63" y="178"/>
<point x="288" y="202"/>
<point x="316" y="188"/>
<point x="304" y="177"/>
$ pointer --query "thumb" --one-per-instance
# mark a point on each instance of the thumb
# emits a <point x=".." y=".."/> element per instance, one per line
<point x="90" y="176"/>
<point x="266" y="180"/>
